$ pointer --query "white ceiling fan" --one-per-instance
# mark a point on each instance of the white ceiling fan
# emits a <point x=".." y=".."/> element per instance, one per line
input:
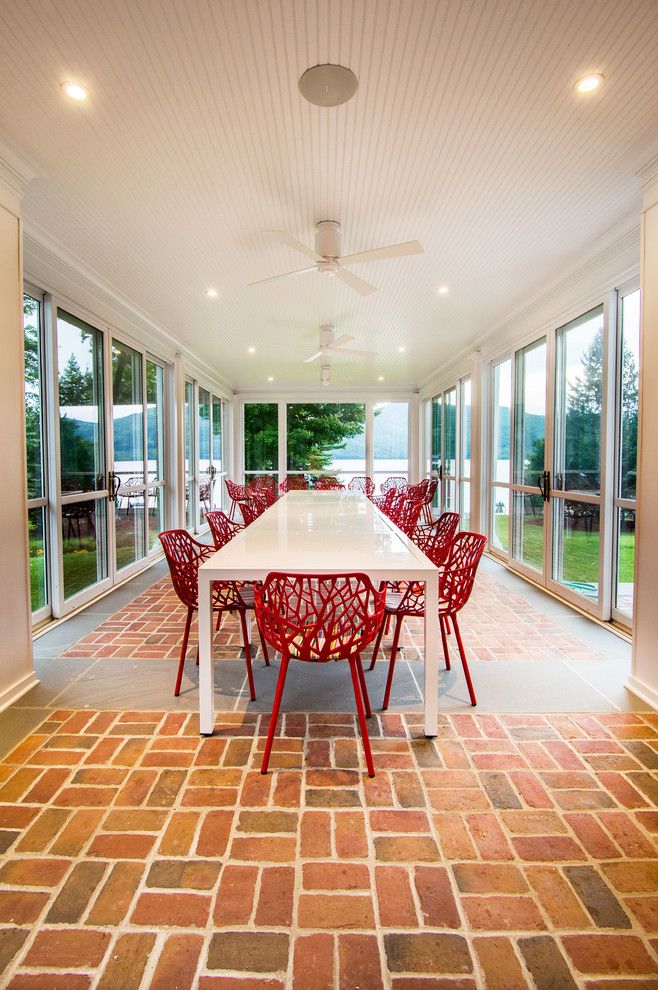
<point x="330" y="345"/>
<point x="328" y="259"/>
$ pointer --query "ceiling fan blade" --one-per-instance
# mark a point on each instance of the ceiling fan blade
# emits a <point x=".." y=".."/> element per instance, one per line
<point x="292" y="242"/>
<point x="344" y="338"/>
<point x="356" y="283"/>
<point x="353" y="352"/>
<point x="379" y="254"/>
<point x="273" y="278"/>
<point x="313" y="357"/>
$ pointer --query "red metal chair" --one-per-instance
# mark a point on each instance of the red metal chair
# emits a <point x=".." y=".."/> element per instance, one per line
<point x="362" y="483"/>
<point x="456" y="580"/>
<point x="405" y="513"/>
<point x="184" y="556"/>
<point x="293" y="483"/>
<point x="390" y="489"/>
<point x="326" y="484"/>
<point x="319" y="618"/>
<point x="263" y="482"/>
<point x="251" y="508"/>
<point x="430" y="492"/>
<point x="236" y="493"/>
<point x="436" y="539"/>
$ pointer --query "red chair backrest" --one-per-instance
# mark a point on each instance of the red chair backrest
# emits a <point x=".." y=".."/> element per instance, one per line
<point x="326" y="484"/>
<point x="252" y="507"/>
<point x="222" y="528"/>
<point x="184" y="555"/>
<point x="319" y="617"/>
<point x="235" y="492"/>
<point x="416" y="491"/>
<point x="405" y="513"/>
<point x="293" y="483"/>
<point x="262" y="481"/>
<point x="362" y="483"/>
<point x="436" y="540"/>
<point x="430" y="491"/>
<point x="458" y="576"/>
<point x="398" y="483"/>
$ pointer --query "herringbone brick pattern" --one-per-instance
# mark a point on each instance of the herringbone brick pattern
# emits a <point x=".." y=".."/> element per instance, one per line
<point x="514" y="851"/>
<point x="497" y="624"/>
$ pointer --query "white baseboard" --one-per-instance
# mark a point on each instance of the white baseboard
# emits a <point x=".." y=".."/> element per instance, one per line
<point x="17" y="690"/>
<point x="642" y="691"/>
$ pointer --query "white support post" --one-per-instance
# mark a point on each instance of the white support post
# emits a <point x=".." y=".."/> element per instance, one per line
<point x="431" y="685"/>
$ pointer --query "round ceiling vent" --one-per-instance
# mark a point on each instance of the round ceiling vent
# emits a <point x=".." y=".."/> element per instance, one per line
<point x="328" y="85"/>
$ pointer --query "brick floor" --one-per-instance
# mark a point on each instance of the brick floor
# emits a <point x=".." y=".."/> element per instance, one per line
<point x="514" y="851"/>
<point x="497" y="624"/>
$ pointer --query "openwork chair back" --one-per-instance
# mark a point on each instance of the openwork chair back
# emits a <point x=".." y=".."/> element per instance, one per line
<point x="266" y="495"/>
<point x="362" y="483"/>
<point x="436" y="540"/>
<point x="457" y="578"/>
<point x="417" y="492"/>
<point x="222" y="528"/>
<point x="405" y="513"/>
<point x="328" y="484"/>
<point x="251" y="508"/>
<point x="293" y="483"/>
<point x="184" y="556"/>
<point x="236" y="493"/>
<point x="261" y="483"/>
<point x="319" y="617"/>
<point x="398" y="483"/>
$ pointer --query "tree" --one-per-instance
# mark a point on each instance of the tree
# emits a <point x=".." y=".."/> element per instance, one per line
<point x="76" y="388"/>
<point x="315" y="430"/>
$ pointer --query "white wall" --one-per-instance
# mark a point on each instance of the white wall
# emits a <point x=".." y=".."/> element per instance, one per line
<point x="644" y="676"/>
<point x="16" y="670"/>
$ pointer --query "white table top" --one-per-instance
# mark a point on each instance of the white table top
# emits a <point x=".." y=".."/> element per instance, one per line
<point x="320" y="532"/>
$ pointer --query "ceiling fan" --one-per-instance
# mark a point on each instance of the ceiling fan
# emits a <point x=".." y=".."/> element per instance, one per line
<point x="330" y="345"/>
<point x="328" y="259"/>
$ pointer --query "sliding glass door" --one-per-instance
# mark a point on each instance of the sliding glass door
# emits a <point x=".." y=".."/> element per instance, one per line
<point x="35" y="450"/>
<point x="128" y="478"/>
<point x="529" y="462"/>
<point x="626" y="391"/>
<point x="450" y="443"/>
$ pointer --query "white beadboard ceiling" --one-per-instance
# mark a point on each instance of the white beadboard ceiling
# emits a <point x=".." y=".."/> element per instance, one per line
<point x="465" y="133"/>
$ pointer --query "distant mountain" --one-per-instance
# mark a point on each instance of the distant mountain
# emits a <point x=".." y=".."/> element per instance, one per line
<point x="391" y="436"/>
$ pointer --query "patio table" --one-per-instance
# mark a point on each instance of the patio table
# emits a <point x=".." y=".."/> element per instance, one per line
<point x="320" y="533"/>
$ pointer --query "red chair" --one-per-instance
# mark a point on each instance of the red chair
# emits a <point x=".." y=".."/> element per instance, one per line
<point x="236" y="493"/>
<point x="184" y="556"/>
<point x="319" y="618"/>
<point x="436" y="539"/>
<point x="405" y="513"/>
<point x="456" y="581"/>
<point x="390" y="489"/>
<point x="293" y="483"/>
<point x="362" y="483"/>
<point x="263" y="482"/>
<point x="430" y="492"/>
<point x="326" y="484"/>
<point x="222" y="528"/>
<point x="251" y="508"/>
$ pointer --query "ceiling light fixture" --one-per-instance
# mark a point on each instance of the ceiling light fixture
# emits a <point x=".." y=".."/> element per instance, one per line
<point x="328" y="85"/>
<point x="401" y="349"/>
<point x="212" y="293"/>
<point x="270" y="378"/>
<point x="589" y="83"/>
<point x="251" y="350"/>
<point x="442" y="290"/>
<point x="380" y="378"/>
<point x="75" y="91"/>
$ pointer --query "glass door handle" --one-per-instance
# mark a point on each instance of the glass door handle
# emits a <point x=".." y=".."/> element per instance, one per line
<point x="544" y="485"/>
<point x="113" y="484"/>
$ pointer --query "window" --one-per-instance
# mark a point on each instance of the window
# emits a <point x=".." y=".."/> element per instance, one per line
<point x="190" y="436"/>
<point x="128" y="450"/>
<point x="37" y="501"/>
<point x="500" y="460"/>
<point x="391" y="440"/>
<point x="627" y="384"/>
<point x="206" y="477"/>
<point x="450" y="435"/>
<point x="326" y="438"/>
<point x="155" y="451"/>
<point x="465" y="453"/>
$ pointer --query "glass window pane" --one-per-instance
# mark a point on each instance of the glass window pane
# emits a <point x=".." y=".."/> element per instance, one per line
<point x="450" y="432"/>
<point x="205" y="480"/>
<point x="500" y="510"/>
<point x="127" y="414"/>
<point x="528" y="530"/>
<point x="625" y="560"/>
<point x="83" y="545"/>
<point x="437" y="406"/>
<point x="156" y="522"/>
<point x="390" y="441"/>
<point x="37" y="549"/>
<point x="189" y="453"/>
<point x="217" y="433"/>
<point x="465" y="426"/>
<point x="129" y="526"/>
<point x="327" y="438"/>
<point x="155" y="420"/>
<point x="576" y="545"/>
<point x="33" y="396"/>
<point x="629" y="368"/>
<point x="502" y="402"/>
<point x="465" y="489"/>
<point x="578" y="391"/>
<point x="450" y="489"/>
<point x="81" y="433"/>
<point x="261" y="436"/>
<point x="530" y="417"/>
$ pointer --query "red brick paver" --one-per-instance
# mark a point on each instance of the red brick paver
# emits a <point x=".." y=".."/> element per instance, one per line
<point x="120" y="871"/>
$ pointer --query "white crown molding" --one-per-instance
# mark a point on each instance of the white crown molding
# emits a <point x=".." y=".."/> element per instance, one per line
<point x="15" y="176"/>
<point x="46" y="261"/>
<point x="615" y="255"/>
<point x="321" y="393"/>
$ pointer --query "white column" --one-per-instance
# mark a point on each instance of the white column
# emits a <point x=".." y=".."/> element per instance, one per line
<point x="16" y="670"/>
<point x="644" y="675"/>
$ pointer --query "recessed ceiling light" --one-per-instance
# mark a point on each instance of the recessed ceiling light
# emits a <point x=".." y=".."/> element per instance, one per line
<point x="401" y="349"/>
<point x="589" y="83"/>
<point x="381" y="378"/>
<point x="212" y="293"/>
<point x="251" y="350"/>
<point x="270" y="378"/>
<point x="328" y="85"/>
<point x="442" y="290"/>
<point x="75" y="91"/>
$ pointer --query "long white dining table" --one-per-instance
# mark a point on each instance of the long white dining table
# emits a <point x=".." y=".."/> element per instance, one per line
<point x="320" y="533"/>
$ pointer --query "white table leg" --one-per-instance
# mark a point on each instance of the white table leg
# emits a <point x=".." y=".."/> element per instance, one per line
<point x="206" y="685"/>
<point x="431" y="686"/>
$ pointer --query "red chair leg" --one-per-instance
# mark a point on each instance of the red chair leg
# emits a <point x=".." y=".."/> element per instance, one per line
<point x="388" y="623"/>
<point x="391" y="662"/>
<point x="375" y="649"/>
<point x="364" y="689"/>
<point x="220" y="616"/>
<point x="444" y="640"/>
<point x="247" y="653"/>
<point x="362" y="716"/>
<point x="467" y="673"/>
<point x="181" y="663"/>
<point x="278" y="694"/>
<point x="264" y="646"/>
